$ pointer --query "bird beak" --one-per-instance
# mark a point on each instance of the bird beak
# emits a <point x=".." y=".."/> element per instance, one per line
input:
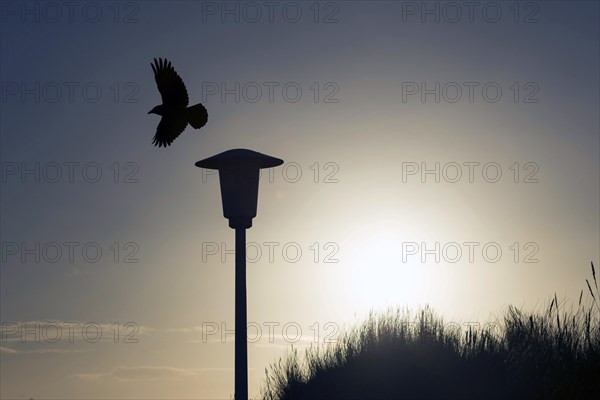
<point x="150" y="112"/>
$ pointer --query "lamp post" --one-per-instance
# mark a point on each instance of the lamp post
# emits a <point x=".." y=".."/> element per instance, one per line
<point x="238" y="176"/>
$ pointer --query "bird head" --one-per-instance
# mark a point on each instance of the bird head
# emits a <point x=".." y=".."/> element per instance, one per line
<point x="156" y="110"/>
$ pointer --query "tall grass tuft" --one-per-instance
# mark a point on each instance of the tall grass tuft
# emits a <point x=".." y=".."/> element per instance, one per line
<point x="402" y="354"/>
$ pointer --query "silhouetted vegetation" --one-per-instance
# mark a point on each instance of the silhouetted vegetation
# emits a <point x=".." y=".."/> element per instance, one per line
<point x="554" y="354"/>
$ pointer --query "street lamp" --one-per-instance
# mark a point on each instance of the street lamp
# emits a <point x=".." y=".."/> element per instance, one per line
<point x="238" y="176"/>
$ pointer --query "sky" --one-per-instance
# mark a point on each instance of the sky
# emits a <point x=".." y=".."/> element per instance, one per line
<point x="441" y="153"/>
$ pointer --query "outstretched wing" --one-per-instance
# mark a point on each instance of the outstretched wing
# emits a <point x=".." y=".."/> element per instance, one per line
<point x="169" y="127"/>
<point x="170" y="85"/>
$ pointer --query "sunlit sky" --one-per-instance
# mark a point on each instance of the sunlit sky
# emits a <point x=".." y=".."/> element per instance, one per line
<point x="345" y="93"/>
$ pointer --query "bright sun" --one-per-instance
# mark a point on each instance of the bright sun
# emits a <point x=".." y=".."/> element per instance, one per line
<point x="378" y="278"/>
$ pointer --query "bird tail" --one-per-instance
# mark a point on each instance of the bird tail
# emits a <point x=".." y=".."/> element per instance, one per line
<point x="197" y="115"/>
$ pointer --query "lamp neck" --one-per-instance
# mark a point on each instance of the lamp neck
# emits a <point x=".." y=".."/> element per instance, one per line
<point x="240" y="222"/>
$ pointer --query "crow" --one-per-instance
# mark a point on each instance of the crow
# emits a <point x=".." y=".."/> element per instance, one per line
<point x="174" y="110"/>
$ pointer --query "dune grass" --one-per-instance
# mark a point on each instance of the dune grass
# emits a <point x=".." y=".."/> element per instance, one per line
<point x="553" y="354"/>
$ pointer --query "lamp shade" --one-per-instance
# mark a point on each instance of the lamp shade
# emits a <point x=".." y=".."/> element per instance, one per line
<point x="238" y="176"/>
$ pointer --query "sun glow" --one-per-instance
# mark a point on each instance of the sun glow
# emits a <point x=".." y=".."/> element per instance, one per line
<point x="378" y="278"/>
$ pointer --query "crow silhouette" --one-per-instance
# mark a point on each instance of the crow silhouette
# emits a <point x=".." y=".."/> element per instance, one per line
<point x="174" y="108"/>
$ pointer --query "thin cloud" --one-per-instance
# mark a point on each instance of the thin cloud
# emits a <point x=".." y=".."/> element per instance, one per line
<point x="185" y="330"/>
<point x="144" y="373"/>
<point x="7" y="350"/>
<point x="56" y="351"/>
